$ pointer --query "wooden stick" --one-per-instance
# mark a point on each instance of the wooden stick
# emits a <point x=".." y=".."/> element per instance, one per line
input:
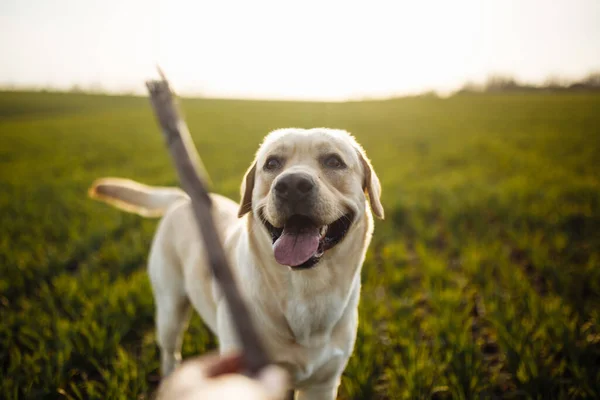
<point x="193" y="180"/>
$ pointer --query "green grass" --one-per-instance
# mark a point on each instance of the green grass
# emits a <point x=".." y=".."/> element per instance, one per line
<point x="483" y="281"/>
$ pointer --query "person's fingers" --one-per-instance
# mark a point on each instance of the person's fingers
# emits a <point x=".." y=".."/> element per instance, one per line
<point x="218" y="376"/>
<point x="233" y="387"/>
<point x="275" y="380"/>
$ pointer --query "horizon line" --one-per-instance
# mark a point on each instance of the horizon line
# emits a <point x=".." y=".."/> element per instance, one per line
<point x="552" y="81"/>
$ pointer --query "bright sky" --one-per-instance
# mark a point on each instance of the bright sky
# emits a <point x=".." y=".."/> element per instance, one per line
<point x="304" y="49"/>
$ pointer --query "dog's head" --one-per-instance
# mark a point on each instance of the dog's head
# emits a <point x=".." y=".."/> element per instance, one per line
<point x="308" y="187"/>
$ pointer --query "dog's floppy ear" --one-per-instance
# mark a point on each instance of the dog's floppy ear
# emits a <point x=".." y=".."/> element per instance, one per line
<point x="246" y="190"/>
<point x="371" y="185"/>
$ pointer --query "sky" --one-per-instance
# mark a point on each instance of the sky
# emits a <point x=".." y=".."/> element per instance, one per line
<point x="313" y="50"/>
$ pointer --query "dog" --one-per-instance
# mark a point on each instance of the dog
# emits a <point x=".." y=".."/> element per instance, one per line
<point x="296" y="243"/>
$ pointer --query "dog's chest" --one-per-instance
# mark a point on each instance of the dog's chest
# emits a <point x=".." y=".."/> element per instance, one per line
<point x="312" y="318"/>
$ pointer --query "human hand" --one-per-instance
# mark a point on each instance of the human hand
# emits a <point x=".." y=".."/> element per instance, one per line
<point x="219" y="377"/>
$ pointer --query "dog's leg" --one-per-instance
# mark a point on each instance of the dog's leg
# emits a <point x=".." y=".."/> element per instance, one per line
<point x="325" y="387"/>
<point x="226" y="331"/>
<point x="172" y="316"/>
<point x="320" y="392"/>
<point x="170" y="299"/>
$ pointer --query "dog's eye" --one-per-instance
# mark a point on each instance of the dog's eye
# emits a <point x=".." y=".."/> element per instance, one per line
<point x="333" y="161"/>
<point x="272" y="164"/>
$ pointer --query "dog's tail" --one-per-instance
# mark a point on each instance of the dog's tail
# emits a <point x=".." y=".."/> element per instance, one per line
<point x="134" y="197"/>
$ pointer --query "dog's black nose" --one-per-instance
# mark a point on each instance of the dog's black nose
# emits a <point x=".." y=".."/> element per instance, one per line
<point x="294" y="187"/>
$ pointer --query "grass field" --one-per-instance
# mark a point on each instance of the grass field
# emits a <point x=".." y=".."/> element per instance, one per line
<point x="482" y="282"/>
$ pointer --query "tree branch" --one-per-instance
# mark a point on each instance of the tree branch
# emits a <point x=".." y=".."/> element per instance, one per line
<point x="193" y="179"/>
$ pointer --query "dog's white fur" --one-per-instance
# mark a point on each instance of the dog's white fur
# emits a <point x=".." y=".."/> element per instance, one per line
<point x="306" y="318"/>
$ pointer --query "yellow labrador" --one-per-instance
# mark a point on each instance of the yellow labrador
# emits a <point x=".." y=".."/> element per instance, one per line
<point x="296" y="243"/>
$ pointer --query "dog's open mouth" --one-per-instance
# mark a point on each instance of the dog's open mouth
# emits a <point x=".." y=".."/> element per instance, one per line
<point x="301" y="243"/>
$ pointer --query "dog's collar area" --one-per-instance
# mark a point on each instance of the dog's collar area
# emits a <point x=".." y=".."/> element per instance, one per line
<point x="330" y="235"/>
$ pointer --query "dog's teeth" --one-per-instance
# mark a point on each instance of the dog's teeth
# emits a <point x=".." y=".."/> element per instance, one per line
<point x="323" y="231"/>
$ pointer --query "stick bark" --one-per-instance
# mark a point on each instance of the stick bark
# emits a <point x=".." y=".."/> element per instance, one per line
<point x="194" y="180"/>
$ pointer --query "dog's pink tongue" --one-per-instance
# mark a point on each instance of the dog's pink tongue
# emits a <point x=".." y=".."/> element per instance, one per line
<point x="296" y="248"/>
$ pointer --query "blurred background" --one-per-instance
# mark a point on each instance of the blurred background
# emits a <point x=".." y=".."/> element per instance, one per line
<point x="480" y="117"/>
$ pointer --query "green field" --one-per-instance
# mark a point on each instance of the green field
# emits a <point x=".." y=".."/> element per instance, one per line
<point x="482" y="282"/>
